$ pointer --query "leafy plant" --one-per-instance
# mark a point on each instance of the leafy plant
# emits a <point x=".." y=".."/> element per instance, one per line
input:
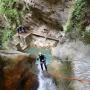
<point x="77" y="16"/>
<point x="13" y="12"/>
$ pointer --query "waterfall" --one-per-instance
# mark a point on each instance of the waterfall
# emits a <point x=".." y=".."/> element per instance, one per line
<point x="45" y="81"/>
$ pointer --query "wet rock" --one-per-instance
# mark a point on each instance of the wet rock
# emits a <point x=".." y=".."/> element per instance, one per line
<point x="17" y="71"/>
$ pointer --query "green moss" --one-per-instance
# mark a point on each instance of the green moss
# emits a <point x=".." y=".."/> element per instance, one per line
<point x="86" y="37"/>
<point x="67" y="71"/>
<point x="76" y="22"/>
<point x="13" y="12"/>
<point x="6" y="35"/>
<point x="77" y="16"/>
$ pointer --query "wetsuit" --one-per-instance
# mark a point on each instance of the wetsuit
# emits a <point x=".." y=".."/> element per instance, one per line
<point x="21" y="29"/>
<point x="42" y="61"/>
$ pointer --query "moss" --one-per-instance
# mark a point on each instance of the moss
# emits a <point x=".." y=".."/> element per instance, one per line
<point x="86" y="37"/>
<point x="66" y="72"/>
<point x="6" y="36"/>
<point x="13" y="12"/>
<point x="77" y="16"/>
<point x="76" y="22"/>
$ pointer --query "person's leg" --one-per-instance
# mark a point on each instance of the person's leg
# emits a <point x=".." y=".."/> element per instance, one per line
<point x="41" y="66"/>
<point x="45" y="66"/>
<point x="18" y="30"/>
<point x="24" y="29"/>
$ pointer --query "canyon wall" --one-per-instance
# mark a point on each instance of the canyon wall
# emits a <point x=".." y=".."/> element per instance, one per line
<point x="17" y="71"/>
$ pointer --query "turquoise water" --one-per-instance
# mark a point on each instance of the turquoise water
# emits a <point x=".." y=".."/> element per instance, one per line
<point x="36" y="51"/>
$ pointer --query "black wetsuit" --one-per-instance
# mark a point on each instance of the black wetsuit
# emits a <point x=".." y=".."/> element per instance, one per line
<point x="21" y="29"/>
<point x="42" y="61"/>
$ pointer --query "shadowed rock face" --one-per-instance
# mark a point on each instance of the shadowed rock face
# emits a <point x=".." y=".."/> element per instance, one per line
<point x="16" y="72"/>
<point x="87" y="18"/>
<point x="43" y="18"/>
<point x="52" y="13"/>
<point x="53" y="1"/>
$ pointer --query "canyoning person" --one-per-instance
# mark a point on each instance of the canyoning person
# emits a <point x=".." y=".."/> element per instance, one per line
<point x="21" y="29"/>
<point x="42" y="59"/>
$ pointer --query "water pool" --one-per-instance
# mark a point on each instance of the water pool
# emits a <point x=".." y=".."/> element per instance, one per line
<point x="35" y="51"/>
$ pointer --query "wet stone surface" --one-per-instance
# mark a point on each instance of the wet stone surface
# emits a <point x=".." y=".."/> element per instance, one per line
<point x="82" y="71"/>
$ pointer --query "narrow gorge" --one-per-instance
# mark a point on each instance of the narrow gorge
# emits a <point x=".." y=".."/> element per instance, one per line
<point x="58" y="29"/>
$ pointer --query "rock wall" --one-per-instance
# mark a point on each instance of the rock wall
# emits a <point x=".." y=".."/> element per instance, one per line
<point x="51" y="12"/>
<point x="17" y="71"/>
<point x="46" y="20"/>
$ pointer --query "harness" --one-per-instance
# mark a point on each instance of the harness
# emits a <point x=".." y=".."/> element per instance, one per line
<point x="42" y="58"/>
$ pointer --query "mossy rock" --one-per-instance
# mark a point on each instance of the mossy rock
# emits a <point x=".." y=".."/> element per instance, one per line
<point x="86" y="37"/>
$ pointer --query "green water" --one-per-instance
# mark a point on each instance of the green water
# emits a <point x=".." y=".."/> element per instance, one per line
<point x="36" y="51"/>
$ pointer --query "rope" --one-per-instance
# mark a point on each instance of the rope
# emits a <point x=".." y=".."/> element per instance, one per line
<point x="74" y="78"/>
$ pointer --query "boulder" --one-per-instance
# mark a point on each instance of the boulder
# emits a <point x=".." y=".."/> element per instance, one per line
<point x="16" y="71"/>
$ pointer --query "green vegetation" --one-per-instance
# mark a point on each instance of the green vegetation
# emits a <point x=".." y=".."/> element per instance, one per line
<point x="11" y="16"/>
<point x="67" y="71"/>
<point x="86" y="37"/>
<point x="76" y="20"/>
<point x="13" y="12"/>
<point x="76" y="23"/>
<point x="7" y="35"/>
